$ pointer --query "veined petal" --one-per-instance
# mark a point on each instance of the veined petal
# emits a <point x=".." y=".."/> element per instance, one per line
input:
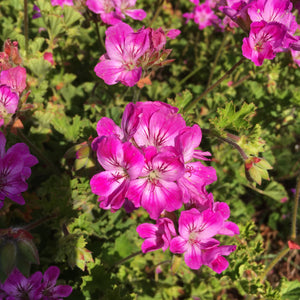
<point x="104" y="183"/>
<point x="168" y="165"/>
<point x="130" y="120"/>
<point x="192" y="257"/>
<point x="135" y="191"/>
<point x="109" y="71"/>
<point x="136" y="14"/>
<point x="130" y="77"/>
<point x="152" y="244"/>
<point x="229" y="228"/>
<point x="133" y="160"/>
<point x="115" y="40"/>
<point x="107" y="126"/>
<point x="178" y="245"/>
<point x="188" y="139"/>
<point x="136" y="44"/>
<point x="110" y="153"/>
<point x="146" y="230"/>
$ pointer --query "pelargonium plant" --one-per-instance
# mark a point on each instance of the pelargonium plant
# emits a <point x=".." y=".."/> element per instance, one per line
<point x="113" y="11"/>
<point x="15" y="169"/>
<point x="37" y="286"/>
<point x="148" y="163"/>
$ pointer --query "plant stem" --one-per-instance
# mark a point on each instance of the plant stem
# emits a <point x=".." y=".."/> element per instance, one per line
<point x="39" y="222"/>
<point x="37" y="151"/>
<point x="26" y="26"/>
<point x="230" y="140"/>
<point x="195" y="101"/>
<point x="296" y="203"/>
<point x="127" y="258"/>
<point x="100" y="40"/>
<point x="159" y="7"/>
<point x="273" y="263"/>
<point x="224" y="41"/>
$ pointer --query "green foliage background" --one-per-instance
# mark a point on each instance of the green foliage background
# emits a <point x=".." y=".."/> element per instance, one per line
<point x="260" y="105"/>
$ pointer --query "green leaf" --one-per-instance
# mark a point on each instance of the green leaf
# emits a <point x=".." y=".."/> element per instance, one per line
<point x="275" y="191"/>
<point x="71" y="15"/>
<point x="231" y="118"/>
<point x="290" y="290"/>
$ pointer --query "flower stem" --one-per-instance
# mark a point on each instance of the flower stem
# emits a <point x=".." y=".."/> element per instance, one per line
<point x="195" y="101"/>
<point x="224" y="41"/>
<point x="296" y="203"/>
<point x="26" y="26"/>
<point x="157" y="12"/>
<point x="230" y="140"/>
<point x="126" y="258"/>
<point x="273" y="263"/>
<point x="37" y="151"/>
<point x="39" y="222"/>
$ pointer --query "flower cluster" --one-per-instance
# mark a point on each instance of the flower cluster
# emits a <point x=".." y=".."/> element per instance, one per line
<point x="12" y="80"/>
<point x="149" y="162"/>
<point x="37" y="286"/>
<point x="204" y="14"/>
<point x="113" y="11"/>
<point x="129" y="53"/>
<point x="271" y="26"/>
<point x="62" y="2"/>
<point x="15" y="169"/>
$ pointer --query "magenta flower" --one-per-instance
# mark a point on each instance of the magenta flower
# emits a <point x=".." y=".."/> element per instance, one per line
<point x="156" y="188"/>
<point x="9" y="101"/>
<point x="196" y="230"/>
<point x="156" y="236"/>
<point x="196" y="175"/>
<point x="49" y="290"/>
<point x="113" y="11"/>
<point x="18" y="287"/>
<point x="15" y="78"/>
<point x="265" y="39"/>
<point x="159" y="125"/>
<point x="62" y="2"/>
<point x="124" y="7"/>
<point x="122" y="163"/>
<point x="124" y="48"/>
<point x="15" y="167"/>
<point x="37" y="286"/>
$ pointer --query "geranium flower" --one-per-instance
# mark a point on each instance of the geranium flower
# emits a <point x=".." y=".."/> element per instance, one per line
<point x="122" y="163"/>
<point x="156" y="236"/>
<point x="9" y="101"/>
<point x="265" y="39"/>
<point x="18" y="287"/>
<point x="15" y="167"/>
<point x="113" y="11"/>
<point x="196" y="240"/>
<point x="124" y="47"/>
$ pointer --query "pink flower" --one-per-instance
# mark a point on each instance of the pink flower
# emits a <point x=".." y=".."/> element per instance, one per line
<point x="14" y="78"/>
<point x="18" y="287"/>
<point x="159" y="125"/>
<point x="62" y="2"/>
<point x="196" y="230"/>
<point x="122" y="163"/>
<point x="156" y="236"/>
<point x="15" y="167"/>
<point x="113" y="11"/>
<point x="264" y="41"/>
<point x="156" y="188"/>
<point x="49" y="289"/>
<point x="9" y="101"/>
<point x="173" y="33"/>
<point x="37" y="286"/>
<point x="124" y="47"/>
<point x="49" y="57"/>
